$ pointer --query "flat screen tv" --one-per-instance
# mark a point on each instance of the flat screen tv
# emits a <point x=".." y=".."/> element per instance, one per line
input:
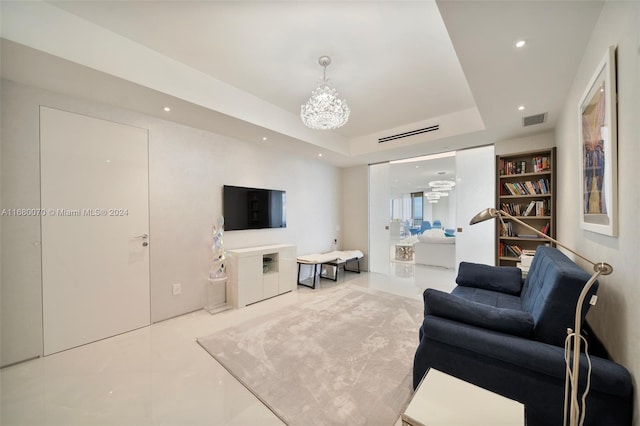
<point x="253" y="208"/>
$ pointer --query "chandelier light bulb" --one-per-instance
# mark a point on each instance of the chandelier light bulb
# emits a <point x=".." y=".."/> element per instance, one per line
<point x="324" y="110"/>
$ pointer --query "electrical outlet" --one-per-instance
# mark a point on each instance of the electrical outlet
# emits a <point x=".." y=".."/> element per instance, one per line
<point x="177" y="289"/>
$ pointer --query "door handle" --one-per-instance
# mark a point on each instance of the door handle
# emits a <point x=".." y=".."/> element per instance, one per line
<point x="143" y="236"/>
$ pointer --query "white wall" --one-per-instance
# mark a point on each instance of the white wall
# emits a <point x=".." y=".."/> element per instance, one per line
<point x="616" y="316"/>
<point x="475" y="176"/>
<point x="379" y="230"/>
<point x="355" y="208"/>
<point x="187" y="169"/>
<point x="527" y="143"/>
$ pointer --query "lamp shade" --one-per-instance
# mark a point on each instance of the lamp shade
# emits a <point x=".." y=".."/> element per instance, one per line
<point x="485" y="214"/>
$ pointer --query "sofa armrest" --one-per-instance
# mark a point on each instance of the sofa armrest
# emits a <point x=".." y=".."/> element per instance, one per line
<point x="510" y="321"/>
<point x="537" y="357"/>
<point x="505" y="279"/>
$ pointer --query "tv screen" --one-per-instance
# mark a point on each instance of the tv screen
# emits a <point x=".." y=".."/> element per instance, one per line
<point x="253" y="208"/>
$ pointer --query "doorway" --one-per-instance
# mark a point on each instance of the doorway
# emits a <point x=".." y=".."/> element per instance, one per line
<point x="406" y="200"/>
<point x="95" y="228"/>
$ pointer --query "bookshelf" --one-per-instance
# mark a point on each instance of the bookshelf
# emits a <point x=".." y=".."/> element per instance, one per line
<point x="525" y="188"/>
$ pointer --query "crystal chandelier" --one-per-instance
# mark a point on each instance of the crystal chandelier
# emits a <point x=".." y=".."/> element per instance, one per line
<point x="442" y="185"/>
<point x="324" y="110"/>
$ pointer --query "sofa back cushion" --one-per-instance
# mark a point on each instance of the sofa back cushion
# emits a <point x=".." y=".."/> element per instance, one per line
<point x="550" y="294"/>
<point x="505" y="279"/>
<point x="446" y="305"/>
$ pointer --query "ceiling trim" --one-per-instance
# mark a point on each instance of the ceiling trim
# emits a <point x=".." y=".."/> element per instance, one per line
<point x="39" y="25"/>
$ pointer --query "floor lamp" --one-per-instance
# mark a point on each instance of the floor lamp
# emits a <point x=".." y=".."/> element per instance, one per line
<point x="599" y="268"/>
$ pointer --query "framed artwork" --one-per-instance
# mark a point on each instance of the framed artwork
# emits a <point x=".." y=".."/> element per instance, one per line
<point x="598" y="149"/>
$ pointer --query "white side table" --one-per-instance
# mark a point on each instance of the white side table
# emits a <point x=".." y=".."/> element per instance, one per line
<point x="443" y="400"/>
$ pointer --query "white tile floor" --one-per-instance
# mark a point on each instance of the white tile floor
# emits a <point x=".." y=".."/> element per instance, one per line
<point x="159" y="375"/>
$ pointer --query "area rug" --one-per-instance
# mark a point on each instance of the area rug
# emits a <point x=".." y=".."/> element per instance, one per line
<point x="342" y="358"/>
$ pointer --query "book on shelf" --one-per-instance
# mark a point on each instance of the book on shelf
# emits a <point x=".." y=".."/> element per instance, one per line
<point x="540" y="186"/>
<point x="530" y="207"/>
<point x="513" y="167"/>
<point x="546" y="228"/>
<point x="509" y="250"/>
<point x="533" y="208"/>
<point x="540" y="163"/>
<point x="506" y="230"/>
<point x="510" y="208"/>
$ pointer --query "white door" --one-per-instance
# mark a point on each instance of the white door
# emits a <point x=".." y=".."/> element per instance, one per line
<point x="95" y="225"/>
<point x="475" y="191"/>
<point x="379" y="216"/>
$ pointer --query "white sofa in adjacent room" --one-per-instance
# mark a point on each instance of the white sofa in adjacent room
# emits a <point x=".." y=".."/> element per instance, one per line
<point x="435" y="249"/>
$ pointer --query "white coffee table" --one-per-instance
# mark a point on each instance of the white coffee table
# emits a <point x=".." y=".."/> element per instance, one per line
<point x="443" y="400"/>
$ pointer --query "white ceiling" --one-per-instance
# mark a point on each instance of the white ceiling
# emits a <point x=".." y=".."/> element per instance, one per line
<point x="395" y="54"/>
<point x="399" y="64"/>
<point x="414" y="176"/>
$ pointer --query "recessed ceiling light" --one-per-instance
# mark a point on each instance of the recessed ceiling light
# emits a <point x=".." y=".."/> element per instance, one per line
<point x="520" y="43"/>
<point x="417" y="167"/>
<point x="264" y="138"/>
<point x="320" y="155"/>
<point x="521" y="108"/>
<point x="166" y="109"/>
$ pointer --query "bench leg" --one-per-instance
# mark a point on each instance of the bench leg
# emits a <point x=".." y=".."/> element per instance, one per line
<point x="357" y="271"/>
<point x="342" y="265"/>
<point x="315" y="274"/>
<point x="335" y="277"/>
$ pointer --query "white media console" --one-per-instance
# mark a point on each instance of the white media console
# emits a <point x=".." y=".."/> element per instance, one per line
<point x="258" y="273"/>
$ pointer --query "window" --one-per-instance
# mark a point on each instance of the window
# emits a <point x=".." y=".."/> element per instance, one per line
<point x="417" y="207"/>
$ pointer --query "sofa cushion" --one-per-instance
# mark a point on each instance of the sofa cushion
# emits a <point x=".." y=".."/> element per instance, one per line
<point x="510" y="321"/>
<point x="488" y="297"/>
<point x="505" y="279"/>
<point x="524" y="355"/>
<point x="551" y="292"/>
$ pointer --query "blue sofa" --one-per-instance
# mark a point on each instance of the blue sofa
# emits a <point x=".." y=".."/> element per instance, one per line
<point x="507" y="336"/>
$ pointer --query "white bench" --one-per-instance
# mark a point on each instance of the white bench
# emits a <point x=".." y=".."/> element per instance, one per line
<point x="336" y="259"/>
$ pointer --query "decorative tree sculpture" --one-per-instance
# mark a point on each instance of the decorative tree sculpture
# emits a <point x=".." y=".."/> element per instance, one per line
<point x="217" y="289"/>
<point x="218" y="266"/>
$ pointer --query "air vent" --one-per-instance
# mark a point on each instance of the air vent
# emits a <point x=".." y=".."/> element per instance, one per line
<point x="534" y="119"/>
<point x="411" y="133"/>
